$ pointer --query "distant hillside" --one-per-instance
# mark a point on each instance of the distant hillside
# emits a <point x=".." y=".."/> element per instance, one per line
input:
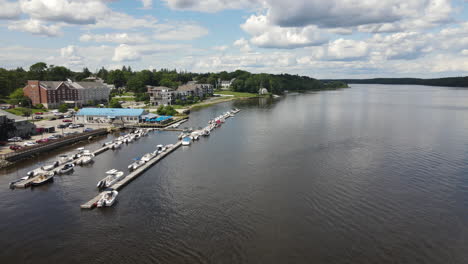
<point x="450" y="82"/>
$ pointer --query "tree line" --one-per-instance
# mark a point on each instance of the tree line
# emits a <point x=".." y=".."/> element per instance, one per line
<point x="449" y="82"/>
<point x="135" y="81"/>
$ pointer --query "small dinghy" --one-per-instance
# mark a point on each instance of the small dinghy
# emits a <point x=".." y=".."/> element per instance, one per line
<point x="206" y="132"/>
<point x="107" y="144"/>
<point x="117" y="145"/>
<point x="66" y="168"/>
<point x="50" y="167"/>
<point x="43" y="179"/>
<point x="112" y="177"/>
<point x="107" y="198"/>
<point x="135" y="165"/>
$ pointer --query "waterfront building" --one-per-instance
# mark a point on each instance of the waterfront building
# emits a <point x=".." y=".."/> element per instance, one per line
<point x="110" y="115"/>
<point x="161" y="95"/>
<point x="54" y="93"/>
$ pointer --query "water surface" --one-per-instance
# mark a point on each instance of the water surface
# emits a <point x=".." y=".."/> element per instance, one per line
<point x="371" y="174"/>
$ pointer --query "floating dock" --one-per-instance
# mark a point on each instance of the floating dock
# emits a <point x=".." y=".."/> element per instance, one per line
<point x="133" y="175"/>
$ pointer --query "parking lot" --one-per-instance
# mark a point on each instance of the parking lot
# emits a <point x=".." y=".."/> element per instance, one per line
<point x="59" y="132"/>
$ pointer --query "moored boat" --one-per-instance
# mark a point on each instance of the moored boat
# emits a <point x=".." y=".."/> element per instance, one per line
<point x="186" y="141"/>
<point x="66" y="168"/>
<point x="112" y="177"/>
<point x="135" y="165"/>
<point x="107" y="198"/>
<point x="148" y="156"/>
<point x="50" y="167"/>
<point x="43" y="179"/>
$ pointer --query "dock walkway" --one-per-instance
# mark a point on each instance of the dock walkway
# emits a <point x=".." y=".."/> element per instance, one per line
<point x="133" y="175"/>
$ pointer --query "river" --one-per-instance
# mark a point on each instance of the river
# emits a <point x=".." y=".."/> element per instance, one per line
<point x="370" y="174"/>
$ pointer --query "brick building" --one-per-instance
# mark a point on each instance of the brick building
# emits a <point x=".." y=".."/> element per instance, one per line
<point x="52" y="93"/>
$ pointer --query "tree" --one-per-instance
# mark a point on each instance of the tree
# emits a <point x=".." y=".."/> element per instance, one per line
<point x="39" y="106"/>
<point x="37" y="71"/>
<point x="63" y="108"/>
<point x="58" y="73"/>
<point x="117" y="78"/>
<point x="18" y="97"/>
<point x="76" y="109"/>
<point x="114" y="103"/>
<point x="161" y="110"/>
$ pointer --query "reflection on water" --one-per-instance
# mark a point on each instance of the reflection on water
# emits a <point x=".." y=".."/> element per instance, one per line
<point x="371" y="174"/>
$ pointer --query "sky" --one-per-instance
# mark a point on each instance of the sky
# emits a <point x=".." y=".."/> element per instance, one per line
<point x="318" y="38"/>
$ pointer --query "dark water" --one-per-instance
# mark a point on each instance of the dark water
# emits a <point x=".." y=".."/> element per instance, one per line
<point x="372" y="174"/>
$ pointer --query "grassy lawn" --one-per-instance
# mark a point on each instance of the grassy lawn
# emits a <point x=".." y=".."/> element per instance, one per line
<point x="128" y="94"/>
<point x="237" y="94"/>
<point x="127" y="99"/>
<point x="19" y="110"/>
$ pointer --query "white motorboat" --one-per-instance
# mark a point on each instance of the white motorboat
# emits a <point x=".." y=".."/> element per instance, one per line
<point x="206" y="132"/>
<point x="107" y="144"/>
<point x="186" y="141"/>
<point x="66" y="168"/>
<point x="86" y="157"/>
<point x="107" y="198"/>
<point x="50" y="167"/>
<point x="43" y="179"/>
<point x="135" y="165"/>
<point x="194" y="135"/>
<point x="65" y="159"/>
<point x="117" y="145"/>
<point x="147" y="157"/>
<point x="112" y="177"/>
<point x="12" y="184"/>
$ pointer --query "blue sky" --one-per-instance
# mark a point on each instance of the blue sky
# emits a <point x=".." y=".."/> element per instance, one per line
<point x="318" y="38"/>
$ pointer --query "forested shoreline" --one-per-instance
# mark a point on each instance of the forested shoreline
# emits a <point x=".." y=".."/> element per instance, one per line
<point x="449" y="81"/>
<point x="135" y="81"/>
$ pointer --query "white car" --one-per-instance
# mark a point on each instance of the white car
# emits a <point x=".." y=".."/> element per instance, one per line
<point x="29" y="143"/>
<point x="15" y="139"/>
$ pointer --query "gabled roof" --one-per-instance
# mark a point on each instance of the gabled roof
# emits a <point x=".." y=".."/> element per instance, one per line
<point x="112" y="112"/>
<point x="50" y="85"/>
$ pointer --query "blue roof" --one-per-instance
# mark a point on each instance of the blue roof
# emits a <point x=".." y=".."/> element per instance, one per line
<point x="163" y="118"/>
<point x="112" y="112"/>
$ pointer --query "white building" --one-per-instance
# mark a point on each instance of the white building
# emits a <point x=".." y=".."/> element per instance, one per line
<point x="110" y="115"/>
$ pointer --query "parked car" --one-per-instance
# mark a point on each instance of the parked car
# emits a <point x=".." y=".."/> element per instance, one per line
<point x="15" y="147"/>
<point x="29" y="143"/>
<point x="68" y="116"/>
<point x="67" y="121"/>
<point x="53" y="118"/>
<point x="80" y="125"/>
<point x="15" y="139"/>
<point x="62" y="126"/>
<point x="60" y="117"/>
<point x="88" y="129"/>
<point x="39" y="113"/>
<point x="38" y="117"/>
<point x="73" y="126"/>
<point x="3" y="143"/>
<point x="42" y="140"/>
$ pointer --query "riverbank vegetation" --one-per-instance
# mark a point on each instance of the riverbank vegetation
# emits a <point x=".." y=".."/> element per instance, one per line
<point x="449" y="82"/>
<point x="135" y="81"/>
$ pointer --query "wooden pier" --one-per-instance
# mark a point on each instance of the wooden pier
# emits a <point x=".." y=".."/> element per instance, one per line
<point x="27" y="183"/>
<point x="133" y="175"/>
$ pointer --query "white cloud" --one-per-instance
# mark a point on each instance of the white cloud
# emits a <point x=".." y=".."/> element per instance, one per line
<point x="243" y="45"/>
<point x="9" y="10"/>
<point x="147" y="3"/>
<point x="35" y="27"/>
<point x="124" y="38"/>
<point x="266" y="35"/>
<point x="179" y="31"/>
<point x="211" y="5"/>
<point x="347" y="49"/>
<point x="72" y="12"/>
<point x="220" y="48"/>
<point x="126" y="52"/>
